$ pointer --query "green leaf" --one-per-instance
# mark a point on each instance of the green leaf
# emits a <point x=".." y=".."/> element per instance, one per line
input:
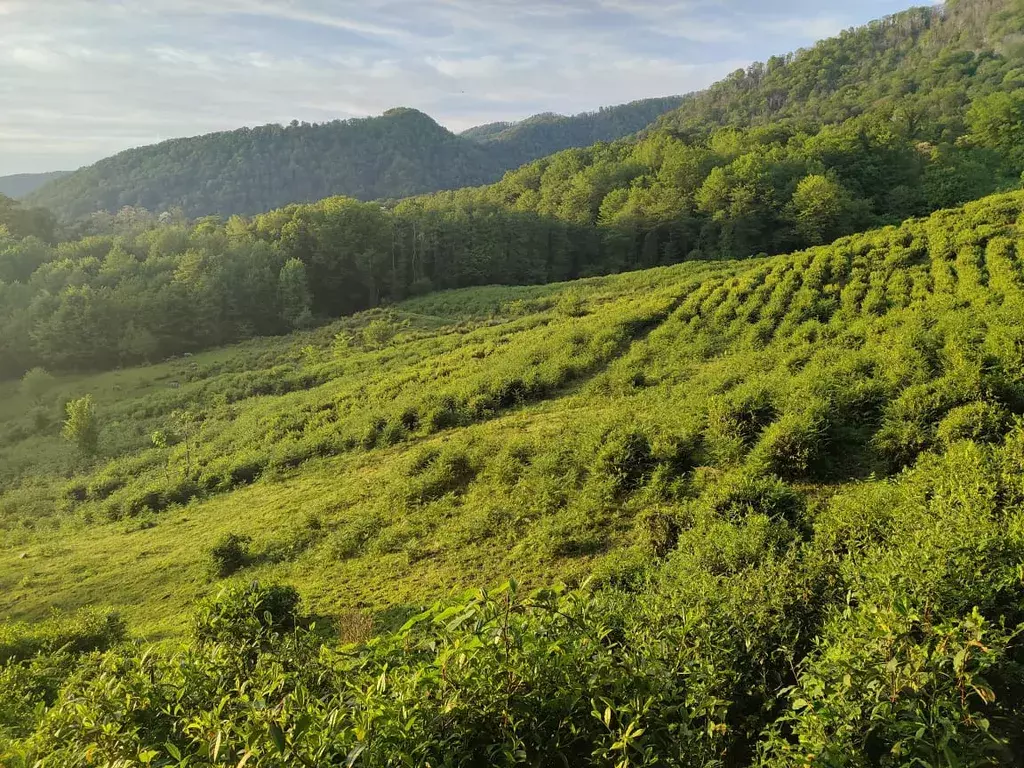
<point x="277" y="736"/>
<point x="354" y="754"/>
<point x="301" y="725"/>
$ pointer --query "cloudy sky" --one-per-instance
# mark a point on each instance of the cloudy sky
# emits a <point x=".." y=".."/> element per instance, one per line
<point x="82" y="79"/>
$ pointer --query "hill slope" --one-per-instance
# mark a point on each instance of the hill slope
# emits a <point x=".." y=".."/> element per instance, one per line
<point x="918" y="62"/>
<point x="722" y="445"/>
<point x="22" y="184"/>
<point x="545" y="134"/>
<point x="401" y="153"/>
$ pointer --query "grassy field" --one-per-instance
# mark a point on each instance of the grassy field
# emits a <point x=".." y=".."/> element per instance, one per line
<point x="785" y="494"/>
<point x="467" y="447"/>
<point x="355" y="527"/>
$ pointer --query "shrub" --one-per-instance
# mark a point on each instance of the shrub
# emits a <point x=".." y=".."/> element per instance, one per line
<point x="626" y="460"/>
<point x="87" y="630"/>
<point x="982" y="422"/>
<point x="354" y="535"/>
<point x="443" y="415"/>
<point x="450" y="472"/>
<point x="895" y="682"/>
<point x="393" y="433"/>
<point x="571" y="304"/>
<point x="241" y="615"/>
<point x="379" y="332"/>
<point x="742" y="492"/>
<point x="230" y="554"/>
<point x="246" y="469"/>
<point x="790" y="446"/>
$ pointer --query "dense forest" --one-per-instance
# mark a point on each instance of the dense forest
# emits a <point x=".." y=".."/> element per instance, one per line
<point x="401" y="153"/>
<point x="784" y="495"/>
<point x="544" y="134"/>
<point x="22" y="184"/>
<point x="927" y="62"/>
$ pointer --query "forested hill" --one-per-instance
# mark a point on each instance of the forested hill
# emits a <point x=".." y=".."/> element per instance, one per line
<point x="21" y="184"/>
<point x="398" y="154"/>
<point x="547" y="133"/>
<point x="917" y="61"/>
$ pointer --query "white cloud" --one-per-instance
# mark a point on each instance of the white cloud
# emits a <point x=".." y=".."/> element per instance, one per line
<point x="39" y="59"/>
<point x="483" y="66"/>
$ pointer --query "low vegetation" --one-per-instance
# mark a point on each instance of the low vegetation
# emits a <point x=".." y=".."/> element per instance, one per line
<point x="782" y="496"/>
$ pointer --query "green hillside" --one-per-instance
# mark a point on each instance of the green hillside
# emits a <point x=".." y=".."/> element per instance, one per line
<point x="401" y="153"/>
<point x="785" y="494"/>
<point x="926" y="64"/>
<point x="525" y="140"/>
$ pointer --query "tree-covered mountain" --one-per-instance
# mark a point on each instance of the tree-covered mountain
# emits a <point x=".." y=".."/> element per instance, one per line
<point x="21" y="184"/>
<point x="398" y="154"/>
<point x="548" y="133"/>
<point x="403" y="152"/>
<point x="925" y="64"/>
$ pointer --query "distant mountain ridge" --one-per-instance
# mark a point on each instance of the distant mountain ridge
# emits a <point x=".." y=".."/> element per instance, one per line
<point x="21" y="184"/>
<point x="526" y="137"/>
<point x="400" y="153"/>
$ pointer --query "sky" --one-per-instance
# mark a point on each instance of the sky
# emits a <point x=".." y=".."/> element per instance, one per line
<point x="84" y="79"/>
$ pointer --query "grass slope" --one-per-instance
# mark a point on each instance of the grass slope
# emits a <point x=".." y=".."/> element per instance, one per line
<point x="794" y="483"/>
<point x="463" y="450"/>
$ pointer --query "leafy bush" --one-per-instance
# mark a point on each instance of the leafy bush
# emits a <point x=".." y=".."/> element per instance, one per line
<point x="982" y="422"/>
<point x="243" y="615"/>
<point x="627" y="460"/>
<point x="230" y="554"/>
<point x="791" y="446"/>
<point x="81" y="632"/>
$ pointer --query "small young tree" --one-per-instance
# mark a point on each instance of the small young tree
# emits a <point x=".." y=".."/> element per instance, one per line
<point x="183" y="430"/>
<point x="186" y="425"/>
<point x="36" y="383"/>
<point x="81" y="426"/>
<point x="379" y="332"/>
